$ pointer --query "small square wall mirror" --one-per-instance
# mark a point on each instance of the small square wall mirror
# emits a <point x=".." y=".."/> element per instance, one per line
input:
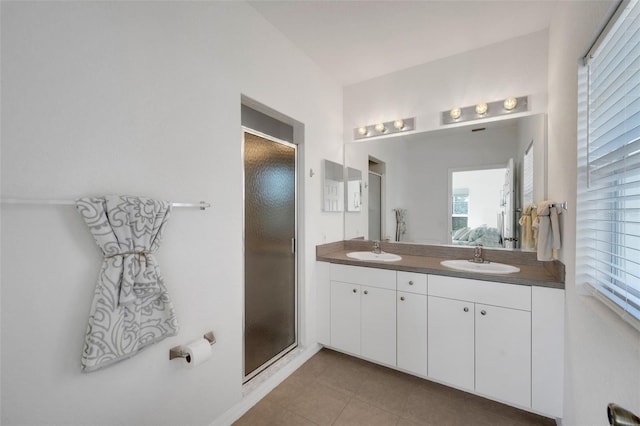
<point x="332" y="186"/>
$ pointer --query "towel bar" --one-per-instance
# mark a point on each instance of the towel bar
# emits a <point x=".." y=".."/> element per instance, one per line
<point x="564" y="205"/>
<point x="178" y="352"/>
<point x="202" y="205"/>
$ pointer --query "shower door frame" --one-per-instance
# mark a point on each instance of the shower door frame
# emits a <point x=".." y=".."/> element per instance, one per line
<point x="294" y="246"/>
<point x="381" y="223"/>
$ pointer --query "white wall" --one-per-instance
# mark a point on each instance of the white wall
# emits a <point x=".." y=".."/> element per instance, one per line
<point x="516" y="67"/>
<point x="426" y="90"/>
<point x="140" y="98"/>
<point x="602" y="353"/>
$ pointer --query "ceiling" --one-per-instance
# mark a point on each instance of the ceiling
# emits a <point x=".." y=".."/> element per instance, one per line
<point x="355" y="41"/>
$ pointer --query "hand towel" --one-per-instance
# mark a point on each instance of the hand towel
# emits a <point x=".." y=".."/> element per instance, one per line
<point x="548" y="227"/>
<point x="131" y="308"/>
<point x="529" y="234"/>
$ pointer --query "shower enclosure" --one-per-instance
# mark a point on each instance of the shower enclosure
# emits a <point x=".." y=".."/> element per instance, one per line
<point x="270" y="279"/>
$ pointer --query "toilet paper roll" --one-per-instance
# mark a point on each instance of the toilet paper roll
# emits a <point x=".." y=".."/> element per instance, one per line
<point x="198" y="351"/>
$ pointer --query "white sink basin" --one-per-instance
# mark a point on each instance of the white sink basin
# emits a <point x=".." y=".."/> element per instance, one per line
<point x="487" y="268"/>
<point x="369" y="255"/>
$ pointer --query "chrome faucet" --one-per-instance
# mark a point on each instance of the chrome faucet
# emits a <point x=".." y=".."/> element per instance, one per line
<point x="376" y="247"/>
<point x="477" y="254"/>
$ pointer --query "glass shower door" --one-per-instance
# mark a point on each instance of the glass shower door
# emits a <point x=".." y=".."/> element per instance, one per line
<point x="270" y="313"/>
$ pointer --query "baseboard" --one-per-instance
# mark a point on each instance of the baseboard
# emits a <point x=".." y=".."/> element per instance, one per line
<point x="261" y="385"/>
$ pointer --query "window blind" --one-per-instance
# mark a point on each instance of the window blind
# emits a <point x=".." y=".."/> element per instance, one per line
<point x="609" y="167"/>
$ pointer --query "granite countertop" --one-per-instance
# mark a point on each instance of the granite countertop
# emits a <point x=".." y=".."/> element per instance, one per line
<point x="426" y="260"/>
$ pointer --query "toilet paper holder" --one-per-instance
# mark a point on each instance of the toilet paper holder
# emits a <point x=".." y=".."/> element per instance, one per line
<point x="178" y="352"/>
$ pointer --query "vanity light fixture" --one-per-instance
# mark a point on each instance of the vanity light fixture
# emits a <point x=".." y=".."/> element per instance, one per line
<point x="385" y="128"/>
<point x="510" y="105"/>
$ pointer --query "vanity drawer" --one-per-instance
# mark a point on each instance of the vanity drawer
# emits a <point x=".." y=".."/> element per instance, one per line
<point x="382" y="278"/>
<point x="412" y="282"/>
<point x="486" y="292"/>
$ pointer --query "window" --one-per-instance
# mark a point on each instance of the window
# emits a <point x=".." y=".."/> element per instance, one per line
<point x="608" y="236"/>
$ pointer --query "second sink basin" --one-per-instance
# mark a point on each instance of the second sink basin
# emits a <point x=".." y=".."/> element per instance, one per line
<point x="487" y="268"/>
<point x="369" y="255"/>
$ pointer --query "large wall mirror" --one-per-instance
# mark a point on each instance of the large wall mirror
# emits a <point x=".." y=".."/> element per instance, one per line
<point x="458" y="185"/>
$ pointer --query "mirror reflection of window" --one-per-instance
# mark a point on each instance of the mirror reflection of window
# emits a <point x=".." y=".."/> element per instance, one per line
<point x="460" y="210"/>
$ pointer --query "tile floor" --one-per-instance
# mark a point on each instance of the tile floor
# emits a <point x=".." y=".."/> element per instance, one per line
<point x="335" y="389"/>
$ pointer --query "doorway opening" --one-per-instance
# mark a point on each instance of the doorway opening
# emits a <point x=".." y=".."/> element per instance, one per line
<point x="481" y="207"/>
<point x="375" y="195"/>
<point x="270" y="323"/>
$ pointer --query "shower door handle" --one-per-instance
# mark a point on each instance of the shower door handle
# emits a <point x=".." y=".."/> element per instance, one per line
<point x="293" y="246"/>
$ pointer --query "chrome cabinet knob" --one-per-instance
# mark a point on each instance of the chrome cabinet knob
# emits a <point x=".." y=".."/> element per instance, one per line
<point x="366" y="292"/>
<point x="483" y="312"/>
<point x="466" y="309"/>
<point x="402" y="298"/>
<point x="410" y="282"/>
<point x="355" y="291"/>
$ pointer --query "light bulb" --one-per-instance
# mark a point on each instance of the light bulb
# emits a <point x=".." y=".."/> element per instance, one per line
<point x="380" y="128"/>
<point x="510" y="103"/>
<point x="398" y="124"/>
<point x="362" y="131"/>
<point x="481" y="108"/>
<point x="455" y="113"/>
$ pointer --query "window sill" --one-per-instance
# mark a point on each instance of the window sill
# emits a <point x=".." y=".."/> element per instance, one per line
<point x="628" y="318"/>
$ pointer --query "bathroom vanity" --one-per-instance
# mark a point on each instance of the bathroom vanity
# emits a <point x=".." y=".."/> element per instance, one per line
<point x="499" y="336"/>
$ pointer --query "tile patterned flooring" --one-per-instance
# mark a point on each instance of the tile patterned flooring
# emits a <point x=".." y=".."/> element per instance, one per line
<point x="335" y="389"/>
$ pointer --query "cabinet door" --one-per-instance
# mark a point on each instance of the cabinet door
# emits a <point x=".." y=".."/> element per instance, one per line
<point x="378" y="324"/>
<point x="345" y="317"/>
<point x="451" y="341"/>
<point x="412" y="332"/>
<point x="503" y="354"/>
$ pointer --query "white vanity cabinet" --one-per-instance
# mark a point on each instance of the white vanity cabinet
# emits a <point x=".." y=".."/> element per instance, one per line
<point x="503" y="341"/>
<point x="411" y="326"/>
<point x="363" y="312"/>
<point x="480" y="337"/>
